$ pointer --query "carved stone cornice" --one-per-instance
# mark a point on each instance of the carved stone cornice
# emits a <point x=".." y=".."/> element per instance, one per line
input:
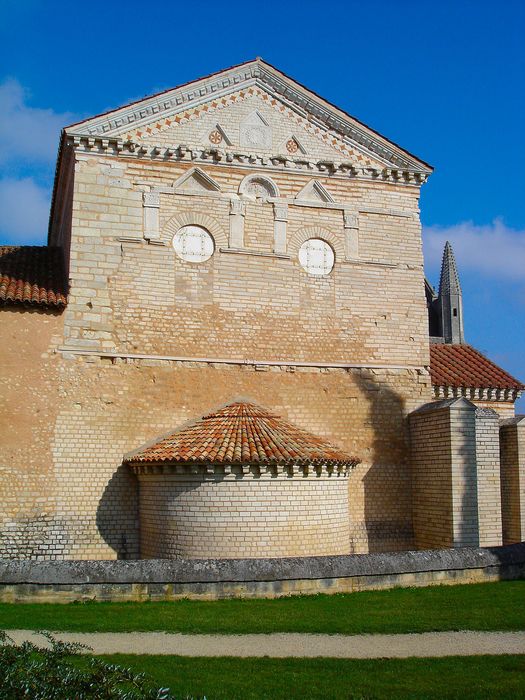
<point x="259" y="74"/>
<point x="477" y="393"/>
<point x="182" y="153"/>
<point x="203" y="472"/>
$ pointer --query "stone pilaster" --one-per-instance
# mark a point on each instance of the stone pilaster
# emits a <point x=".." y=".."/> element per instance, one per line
<point x="279" y="231"/>
<point x="237" y="214"/>
<point x="351" y="231"/>
<point x="151" y="216"/>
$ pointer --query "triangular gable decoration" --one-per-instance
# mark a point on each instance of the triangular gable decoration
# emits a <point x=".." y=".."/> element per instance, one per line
<point x="218" y="136"/>
<point x="196" y="180"/>
<point x="314" y="192"/>
<point x="292" y="145"/>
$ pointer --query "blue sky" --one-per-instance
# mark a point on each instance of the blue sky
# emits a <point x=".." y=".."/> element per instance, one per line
<point x="445" y="79"/>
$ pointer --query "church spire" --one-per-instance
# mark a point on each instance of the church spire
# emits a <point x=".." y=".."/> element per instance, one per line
<point x="449" y="280"/>
<point x="450" y="299"/>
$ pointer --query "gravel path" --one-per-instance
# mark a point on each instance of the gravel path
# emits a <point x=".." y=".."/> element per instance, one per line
<point x="366" y="646"/>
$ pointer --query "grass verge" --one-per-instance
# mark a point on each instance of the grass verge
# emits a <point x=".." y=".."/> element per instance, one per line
<point x="315" y="679"/>
<point x="486" y="606"/>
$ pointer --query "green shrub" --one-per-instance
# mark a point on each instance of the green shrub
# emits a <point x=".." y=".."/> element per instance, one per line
<point x="60" y="673"/>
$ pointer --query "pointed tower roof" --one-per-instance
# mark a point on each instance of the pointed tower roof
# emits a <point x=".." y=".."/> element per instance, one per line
<point x="241" y="433"/>
<point x="449" y="280"/>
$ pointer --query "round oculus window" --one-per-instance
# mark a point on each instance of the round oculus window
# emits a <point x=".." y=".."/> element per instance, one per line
<point x="193" y="244"/>
<point x="316" y="257"/>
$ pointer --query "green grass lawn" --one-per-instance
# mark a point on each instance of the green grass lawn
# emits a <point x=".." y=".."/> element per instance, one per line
<point x="335" y="679"/>
<point x="486" y="606"/>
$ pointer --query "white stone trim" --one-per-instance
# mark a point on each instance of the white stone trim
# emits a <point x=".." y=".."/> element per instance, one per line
<point x="193" y="218"/>
<point x="280" y="213"/>
<point x="314" y="186"/>
<point x="231" y="472"/>
<point x="151" y="202"/>
<point x="351" y="233"/>
<point x="67" y="350"/>
<point x="303" y="234"/>
<point x="237" y="214"/>
<point x="256" y="73"/>
<point x="476" y="393"/>
<point x="207" y="182"/>
<point x="246" y="181"/>
<point x="256" y="253"/>
<point x="333" y="168"/>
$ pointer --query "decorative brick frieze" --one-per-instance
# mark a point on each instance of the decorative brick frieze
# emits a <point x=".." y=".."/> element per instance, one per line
<point x="252" y="75"/>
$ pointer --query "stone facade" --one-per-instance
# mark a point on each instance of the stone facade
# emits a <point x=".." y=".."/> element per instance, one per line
<point x="149" y="340"/>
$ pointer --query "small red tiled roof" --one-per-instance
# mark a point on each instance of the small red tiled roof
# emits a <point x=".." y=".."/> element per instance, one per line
<point x="32" y="275"/>
<point x="464" y="366"/>
<point x="242" y="433"/>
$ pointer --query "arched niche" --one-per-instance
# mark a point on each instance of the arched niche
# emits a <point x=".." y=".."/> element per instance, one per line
<point x="258" y="186"/>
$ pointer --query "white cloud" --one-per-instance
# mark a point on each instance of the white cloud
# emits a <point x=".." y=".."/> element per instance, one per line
<point x="25" y="210"/>
<point x="27" y="133"/>
<point x="493" y="250"/>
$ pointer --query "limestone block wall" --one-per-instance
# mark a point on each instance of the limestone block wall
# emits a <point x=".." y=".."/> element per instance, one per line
<point x="29" y="381"/>
<point x="488" y="477"/>
<point x="465" y="517"/>
<point x="148" y="341"/>
<point x="455" y="475"/>
<point x="512" y="446"/>
<point x="431" y="479"/>
<point x="287" y="513"/>
<point x="131" y="293"/>
<point x="64" y="443"/>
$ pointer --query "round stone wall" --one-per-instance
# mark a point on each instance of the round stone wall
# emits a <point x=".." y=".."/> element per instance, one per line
<point x="244" y="516"/>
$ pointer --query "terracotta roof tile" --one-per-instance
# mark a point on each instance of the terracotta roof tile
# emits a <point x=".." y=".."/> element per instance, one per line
<point x="242" y="433"/>
<point x="464" y="366"/>
<point x="32" y="275"/>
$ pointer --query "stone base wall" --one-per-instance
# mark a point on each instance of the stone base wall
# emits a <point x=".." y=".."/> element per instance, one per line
<point x="211" y="579"/>
<point x="244" y="515"/>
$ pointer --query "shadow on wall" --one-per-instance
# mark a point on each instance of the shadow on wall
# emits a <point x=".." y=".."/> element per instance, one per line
<point x="387" y="482"/>
<point x="117" y="514"/>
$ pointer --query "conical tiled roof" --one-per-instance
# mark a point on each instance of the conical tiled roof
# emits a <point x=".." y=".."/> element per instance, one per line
<point x="242" y="433"/>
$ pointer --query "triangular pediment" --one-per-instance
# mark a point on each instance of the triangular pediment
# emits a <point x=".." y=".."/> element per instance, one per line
<point x="314" y="191"/>
<point x="147" y="118"/>
<point x="196" y="180"/>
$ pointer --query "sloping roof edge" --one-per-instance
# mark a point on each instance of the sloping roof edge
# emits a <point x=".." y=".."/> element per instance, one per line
<point x="240" y="433"/>
<point x="258" y="61"/>
<point x="455" y="365"/>
<point x="33" y="275"/>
